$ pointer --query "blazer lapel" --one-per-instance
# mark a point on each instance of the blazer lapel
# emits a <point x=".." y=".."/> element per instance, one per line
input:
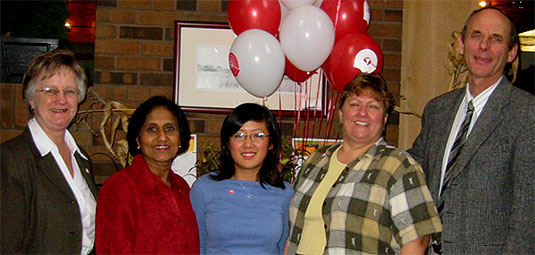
<point x="490" y="118"/>
<point x="446" y="124"/>
<point x="51" y="170"/>
<point x="87" y="173"/>
<point x="442" y="135"/>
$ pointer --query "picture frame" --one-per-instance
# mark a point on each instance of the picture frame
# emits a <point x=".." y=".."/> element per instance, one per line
<point x="307" y="146"/>
<point x="203" y="81"/>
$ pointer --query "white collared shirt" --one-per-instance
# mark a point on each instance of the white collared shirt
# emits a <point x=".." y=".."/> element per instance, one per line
<point x="86" y="201"/>
<point x="479" y="103"/>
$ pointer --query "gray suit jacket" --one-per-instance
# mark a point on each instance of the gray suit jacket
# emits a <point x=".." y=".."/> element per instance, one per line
<point x="39" y="212"/>
<point x="489" y="204"/>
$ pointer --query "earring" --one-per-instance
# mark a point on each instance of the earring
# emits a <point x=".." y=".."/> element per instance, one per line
<point x="138" y="147"/>
<point x="180" y="146"/>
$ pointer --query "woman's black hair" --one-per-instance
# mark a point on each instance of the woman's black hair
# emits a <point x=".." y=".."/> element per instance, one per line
<point x="138" y="118"/>
<point x="269" y="172"/>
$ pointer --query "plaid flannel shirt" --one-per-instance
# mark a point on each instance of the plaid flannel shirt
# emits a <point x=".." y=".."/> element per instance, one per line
<point x="379" y="202"/>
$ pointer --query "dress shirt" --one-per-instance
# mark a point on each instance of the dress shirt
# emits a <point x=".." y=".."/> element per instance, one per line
<point x="86" y="202"/>
<point x="479" y="102"/>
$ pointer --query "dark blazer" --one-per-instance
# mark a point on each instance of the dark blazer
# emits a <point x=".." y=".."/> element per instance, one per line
<point x="489" y="204"/>
<point x="39" y="212"/>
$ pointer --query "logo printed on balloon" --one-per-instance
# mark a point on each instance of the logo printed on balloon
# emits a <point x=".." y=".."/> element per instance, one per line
<point x="234" y="64"/>
<point x="366" y="61"/>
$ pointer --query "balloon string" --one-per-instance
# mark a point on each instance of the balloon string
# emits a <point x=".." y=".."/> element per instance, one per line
<point x="330" y="116"/>
<point x="296" y="123"/>
<point x="307" y="112"/>
<point x="305" y="116"/>
<point x="329" y="113"/>
<point x="299" y="109"/>
<point x="320" y="89"/>
<point x="337" y="13"/>
<point x="296" y="113"/>
<point x="315" y="111"/>
<point x="280" y="120"/>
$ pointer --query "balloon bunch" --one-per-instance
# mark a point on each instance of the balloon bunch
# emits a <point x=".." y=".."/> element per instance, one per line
<point x="297" y="37"/>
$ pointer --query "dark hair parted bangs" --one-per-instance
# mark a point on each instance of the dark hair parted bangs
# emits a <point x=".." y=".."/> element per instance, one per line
<point x="138" y="118"/>
<point x="269" y="172"/>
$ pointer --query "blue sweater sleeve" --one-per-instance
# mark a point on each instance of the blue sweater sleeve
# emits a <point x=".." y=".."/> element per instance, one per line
<point x="198" y="203"/>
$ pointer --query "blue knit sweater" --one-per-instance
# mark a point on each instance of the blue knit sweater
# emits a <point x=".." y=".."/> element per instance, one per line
<point x="241" y="217"/>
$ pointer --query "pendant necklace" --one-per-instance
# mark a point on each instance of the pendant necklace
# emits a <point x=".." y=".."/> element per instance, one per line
<point x="249" y="195"/>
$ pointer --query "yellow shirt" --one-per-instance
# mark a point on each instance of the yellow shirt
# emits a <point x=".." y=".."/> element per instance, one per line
<point x="313" y="238"/>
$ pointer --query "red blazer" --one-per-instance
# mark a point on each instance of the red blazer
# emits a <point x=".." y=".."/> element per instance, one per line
<point x="138" y="213"/>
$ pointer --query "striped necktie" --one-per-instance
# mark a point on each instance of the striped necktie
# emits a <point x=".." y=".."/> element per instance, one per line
<point x="455" y="152"/>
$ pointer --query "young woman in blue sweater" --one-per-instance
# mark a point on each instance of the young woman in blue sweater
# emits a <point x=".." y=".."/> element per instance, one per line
<point x="243" y="208"/>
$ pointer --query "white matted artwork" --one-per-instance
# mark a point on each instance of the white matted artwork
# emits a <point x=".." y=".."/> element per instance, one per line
<point x="203" y="81"/>
<point x="184" y="165"/>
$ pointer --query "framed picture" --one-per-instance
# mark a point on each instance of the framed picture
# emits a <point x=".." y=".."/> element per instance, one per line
<point x="203" y="81"/>
<point x="184" y="164"/>
<point x="306" y="147"/>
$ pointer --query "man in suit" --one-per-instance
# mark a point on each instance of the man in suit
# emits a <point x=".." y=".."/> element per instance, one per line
<point x="481" y="171"/>
<point x="47" y="192"/>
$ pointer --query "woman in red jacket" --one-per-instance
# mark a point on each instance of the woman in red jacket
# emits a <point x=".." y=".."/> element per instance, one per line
<point x="145" y="208"/>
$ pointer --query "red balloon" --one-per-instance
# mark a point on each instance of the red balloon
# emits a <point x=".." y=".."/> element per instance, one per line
<point x="348" y="16"/>
<point x="249" y="14"/>
<point x="296" y="74"/>
<point x="353" y="54"/>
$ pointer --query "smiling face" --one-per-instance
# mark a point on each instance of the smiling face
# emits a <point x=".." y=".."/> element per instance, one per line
<point x="249" y="155"/>
<point x="486" y="47"/>
<point x="363" y="120"/>
<point x="53" y="112"/>
<point x="159" y="138"/>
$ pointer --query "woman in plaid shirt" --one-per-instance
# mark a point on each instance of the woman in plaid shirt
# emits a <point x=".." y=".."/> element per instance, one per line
<point x="362" y="196"/>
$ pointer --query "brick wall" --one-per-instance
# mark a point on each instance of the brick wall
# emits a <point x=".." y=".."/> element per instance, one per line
<point x="134" y="61"/>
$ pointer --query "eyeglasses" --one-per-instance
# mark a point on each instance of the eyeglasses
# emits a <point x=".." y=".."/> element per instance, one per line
<point x="52" y="92"/>
<point x="256" y="137"/>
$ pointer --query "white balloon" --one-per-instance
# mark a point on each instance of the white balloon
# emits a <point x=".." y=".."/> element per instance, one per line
<point x="284" y="13"/>
<point x="307" y="37"/>
<point x="257" y="61"/>
<point x="292" y="4"/>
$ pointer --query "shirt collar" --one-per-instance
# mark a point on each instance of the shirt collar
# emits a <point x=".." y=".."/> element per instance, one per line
<point x="151" y="180"/>
<point x="370" y="153"/>
<point x="480" y="99"/>
<point x="45" y="145"/>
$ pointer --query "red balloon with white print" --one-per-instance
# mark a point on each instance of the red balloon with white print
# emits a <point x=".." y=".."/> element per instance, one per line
<point x="353" y="54"/>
